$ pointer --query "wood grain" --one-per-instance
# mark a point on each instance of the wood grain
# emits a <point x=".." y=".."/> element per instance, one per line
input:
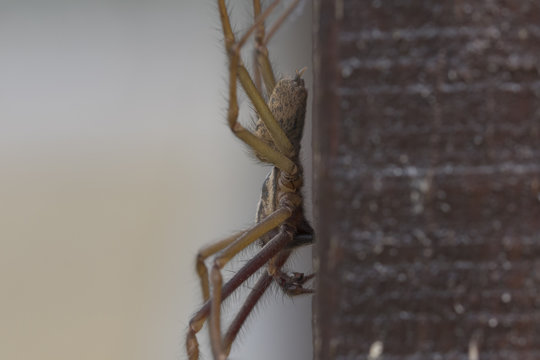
<point x="427" y="179"/>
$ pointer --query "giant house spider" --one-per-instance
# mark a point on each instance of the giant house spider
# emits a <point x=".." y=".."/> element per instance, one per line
<point x="280" y="225"/>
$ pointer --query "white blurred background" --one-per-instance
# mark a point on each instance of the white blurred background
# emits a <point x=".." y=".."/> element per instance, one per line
<point x="116" y="165"/>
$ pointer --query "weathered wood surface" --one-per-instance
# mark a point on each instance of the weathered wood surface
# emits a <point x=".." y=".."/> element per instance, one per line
<point x="427" y="179"/>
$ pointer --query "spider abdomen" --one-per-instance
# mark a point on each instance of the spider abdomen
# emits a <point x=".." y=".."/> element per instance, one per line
<point x="268" y="201"/>
<point x="288" y="105"/>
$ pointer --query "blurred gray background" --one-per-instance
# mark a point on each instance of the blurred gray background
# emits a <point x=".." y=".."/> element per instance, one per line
<point x="116" y="165"/>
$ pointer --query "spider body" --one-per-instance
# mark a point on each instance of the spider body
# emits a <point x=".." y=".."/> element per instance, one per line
<point x="268" y="203"/>
<point x="280" y="223"/>
<point x="288" y="105"/>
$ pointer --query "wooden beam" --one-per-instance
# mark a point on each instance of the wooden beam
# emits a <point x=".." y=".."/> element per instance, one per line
<point x="427" y="179"/>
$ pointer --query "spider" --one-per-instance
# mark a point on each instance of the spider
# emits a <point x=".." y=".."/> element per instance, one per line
<point x="280" y="225"/>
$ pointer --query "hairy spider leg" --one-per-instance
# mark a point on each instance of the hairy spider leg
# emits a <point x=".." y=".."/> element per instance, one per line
<point x="261" y="60"/>
<point x="275" y="219"/>
<point x="275" y="255"/>
<point x="198" y="319"/>
<point x="262" y="66"/>
<point x="249" y="304"/>
<point x="281" y="157"/>
<point x="259" y="260"/>
<point x="206" y="252"/>
<point x="259" y="38"/>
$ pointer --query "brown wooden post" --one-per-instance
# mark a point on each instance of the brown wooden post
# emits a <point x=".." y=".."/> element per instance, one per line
<point x="427" y="179"/>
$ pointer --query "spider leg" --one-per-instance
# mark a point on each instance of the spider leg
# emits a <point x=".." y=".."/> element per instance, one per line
<point x="286" y="282"/>
<point x="249" y="304"/>
<point x="231" y="285"/>
<point x="204" y="253"/>
<point x="262" y="62"/>
<point x="251" y="301"/>
<point x="229" y="247"/>
<point x="259" y="38"/>
<point x="277" y="243"/>
<point x="237" y="71"/>
<point x="262" y="65"/>
<point x="280" y="21"/>
<point x="273" y="220"/>
<point x="290" y="283"/>
<point x="285" y="150"/>
<point x="197" y="321"/>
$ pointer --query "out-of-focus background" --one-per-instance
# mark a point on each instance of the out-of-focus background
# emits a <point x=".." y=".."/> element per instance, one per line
<point x="116" y="165"/>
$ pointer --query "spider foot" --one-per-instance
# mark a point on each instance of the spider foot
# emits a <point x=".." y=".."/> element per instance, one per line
<point x="292" y="282"/>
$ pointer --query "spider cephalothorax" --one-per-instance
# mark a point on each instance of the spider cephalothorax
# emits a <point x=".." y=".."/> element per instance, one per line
<point x="280" y="223"/>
